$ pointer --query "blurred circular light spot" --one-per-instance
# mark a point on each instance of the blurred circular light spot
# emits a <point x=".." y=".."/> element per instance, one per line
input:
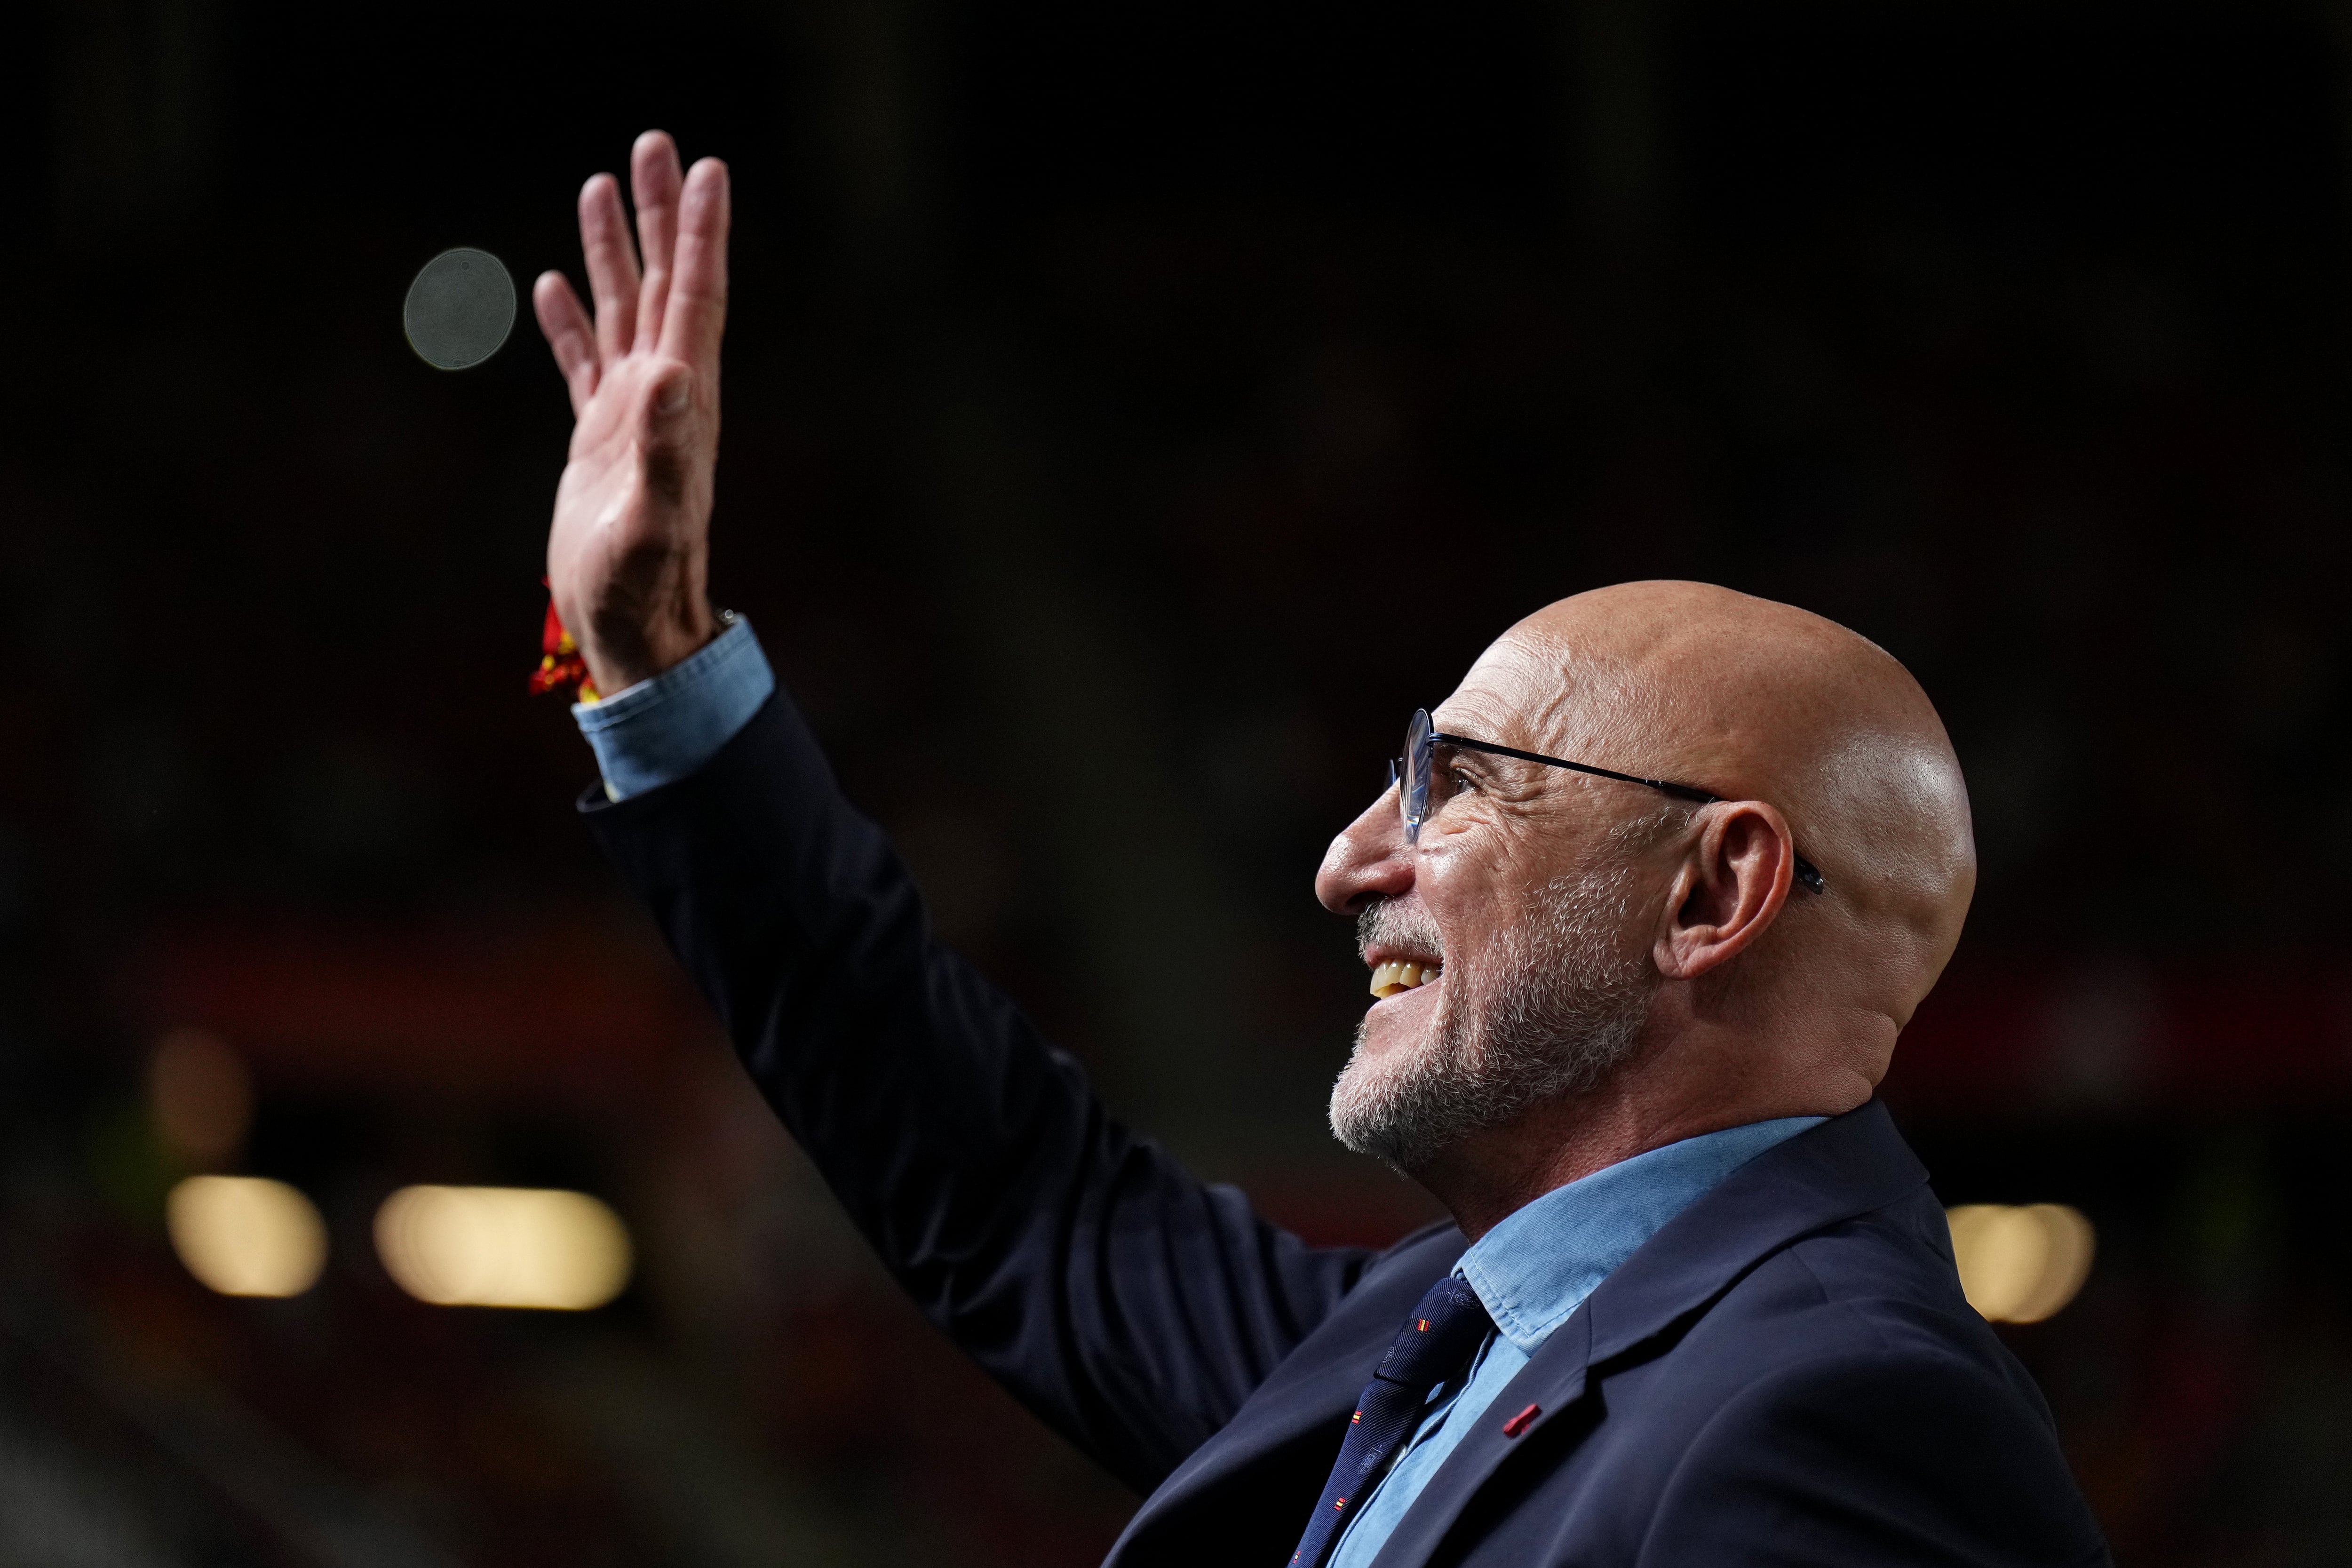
<point x="246" y="1237"/>
<point x="202" y="1096"/>
<point x="459" y="310"/>
<point x="2020" y="1265"/>
<point x="503" y="1247"/>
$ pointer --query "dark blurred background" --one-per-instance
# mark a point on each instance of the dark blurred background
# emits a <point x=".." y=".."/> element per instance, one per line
<point x="1133" y="412"/>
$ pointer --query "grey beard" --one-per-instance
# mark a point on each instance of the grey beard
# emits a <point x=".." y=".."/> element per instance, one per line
<point x="1553" y="1008"/>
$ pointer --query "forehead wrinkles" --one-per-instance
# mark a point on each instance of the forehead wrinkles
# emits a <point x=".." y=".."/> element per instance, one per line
<point x="1553" y="696"/>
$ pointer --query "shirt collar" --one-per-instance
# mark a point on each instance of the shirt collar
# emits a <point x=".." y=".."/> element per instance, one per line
<point x="1540" y="1263"/>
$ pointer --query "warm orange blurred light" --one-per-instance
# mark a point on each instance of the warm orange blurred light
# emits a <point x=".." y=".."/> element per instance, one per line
<point x="2020" y="1265"/>
<point x="202" y="1096"/>
<point x="503" y="1247"/>
<point x="246" y="1237"/>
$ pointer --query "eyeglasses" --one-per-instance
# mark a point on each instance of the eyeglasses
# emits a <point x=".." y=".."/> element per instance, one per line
<point x="1415" y="768"/>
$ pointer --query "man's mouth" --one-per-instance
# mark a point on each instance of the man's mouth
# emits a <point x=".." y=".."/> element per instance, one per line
<point x="1401" y="974"/>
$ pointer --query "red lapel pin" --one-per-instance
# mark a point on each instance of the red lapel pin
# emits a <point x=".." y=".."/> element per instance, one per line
<point x="1520" y="1422"/>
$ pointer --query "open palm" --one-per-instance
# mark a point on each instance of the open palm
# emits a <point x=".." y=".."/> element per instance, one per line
<point x="628" y="553"/>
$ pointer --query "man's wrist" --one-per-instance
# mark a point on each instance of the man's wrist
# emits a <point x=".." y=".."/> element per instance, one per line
<point x="654" y="732"/>
<point x="624" y="650"/>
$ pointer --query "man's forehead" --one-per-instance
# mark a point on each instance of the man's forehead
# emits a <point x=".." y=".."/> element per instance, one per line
<point x="1530" y="691"/>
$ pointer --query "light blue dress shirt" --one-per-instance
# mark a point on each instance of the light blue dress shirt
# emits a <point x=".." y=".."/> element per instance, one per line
<point x="1535" y="1268"/>
<point x="660" y="731"/>
<point x="1530" y="1271"/>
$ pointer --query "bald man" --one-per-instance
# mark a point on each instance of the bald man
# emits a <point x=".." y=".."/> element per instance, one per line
<point x="1648" y="904"/>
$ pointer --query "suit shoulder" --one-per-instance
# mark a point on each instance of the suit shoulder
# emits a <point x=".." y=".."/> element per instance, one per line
<point x="1893" y="1265"/>
<point x="1879" y="1293"/>
<point x="1900" y="1447"/>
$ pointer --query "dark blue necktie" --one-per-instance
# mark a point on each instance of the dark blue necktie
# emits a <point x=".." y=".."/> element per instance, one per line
<point x="1449" y="1324"/>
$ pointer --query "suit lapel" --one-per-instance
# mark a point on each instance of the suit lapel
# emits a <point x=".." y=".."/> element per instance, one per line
<point x="1849" y="1165"/>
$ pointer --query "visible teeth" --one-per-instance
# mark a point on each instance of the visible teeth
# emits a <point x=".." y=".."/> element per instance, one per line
<point x="1396" y="975"/>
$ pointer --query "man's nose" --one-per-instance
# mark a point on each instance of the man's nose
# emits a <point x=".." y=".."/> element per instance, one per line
<point x="1369" y="859"/>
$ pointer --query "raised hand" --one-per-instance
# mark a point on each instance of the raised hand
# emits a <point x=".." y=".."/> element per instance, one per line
<point x="628" y="553"/>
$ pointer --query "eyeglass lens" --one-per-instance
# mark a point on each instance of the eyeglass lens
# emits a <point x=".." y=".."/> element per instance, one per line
<point x="1413" y="791"/>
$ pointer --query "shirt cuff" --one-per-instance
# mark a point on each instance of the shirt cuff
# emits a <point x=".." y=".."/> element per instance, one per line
<point x="660" y="731"/>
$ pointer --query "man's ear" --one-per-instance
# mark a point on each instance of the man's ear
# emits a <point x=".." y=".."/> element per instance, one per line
<point x="1729" y="890"/>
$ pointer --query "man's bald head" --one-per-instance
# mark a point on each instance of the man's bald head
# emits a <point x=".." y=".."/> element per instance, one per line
<point x="1590" y="952"/>
<point x="1755" y="700"/>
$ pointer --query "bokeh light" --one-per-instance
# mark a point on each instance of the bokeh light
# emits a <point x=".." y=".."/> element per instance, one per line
<point x="503" y="1247"/>
<point x="244" y="1235"/>
<point x="2020" y="1265"/>
<point x="459" y="310"/>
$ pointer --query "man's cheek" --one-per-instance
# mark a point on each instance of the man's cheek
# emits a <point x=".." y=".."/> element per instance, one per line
<point x="1460" y="901"/>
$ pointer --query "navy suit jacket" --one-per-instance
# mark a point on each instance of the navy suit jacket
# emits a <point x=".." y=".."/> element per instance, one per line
<point x="1786" y="1374"/>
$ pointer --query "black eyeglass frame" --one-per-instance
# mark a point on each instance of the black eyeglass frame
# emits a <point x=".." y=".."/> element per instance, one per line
<point x="1423" y="738"/>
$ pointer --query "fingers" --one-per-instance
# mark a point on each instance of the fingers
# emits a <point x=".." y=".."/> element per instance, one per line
<point x="570" y="334"/>
<point x="682" y="227"/>
<point x="611" y="266"/>
<point x="697" y="311"/>
<point x="654" y="176"/>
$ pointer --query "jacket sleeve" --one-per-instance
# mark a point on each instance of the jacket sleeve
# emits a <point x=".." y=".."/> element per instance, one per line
<point x="1876" y="1460"/>
<point x="1130" y="1306"/>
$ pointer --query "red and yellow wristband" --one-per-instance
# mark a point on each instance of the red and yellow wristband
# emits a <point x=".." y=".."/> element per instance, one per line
<point x="560" y="663"/>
